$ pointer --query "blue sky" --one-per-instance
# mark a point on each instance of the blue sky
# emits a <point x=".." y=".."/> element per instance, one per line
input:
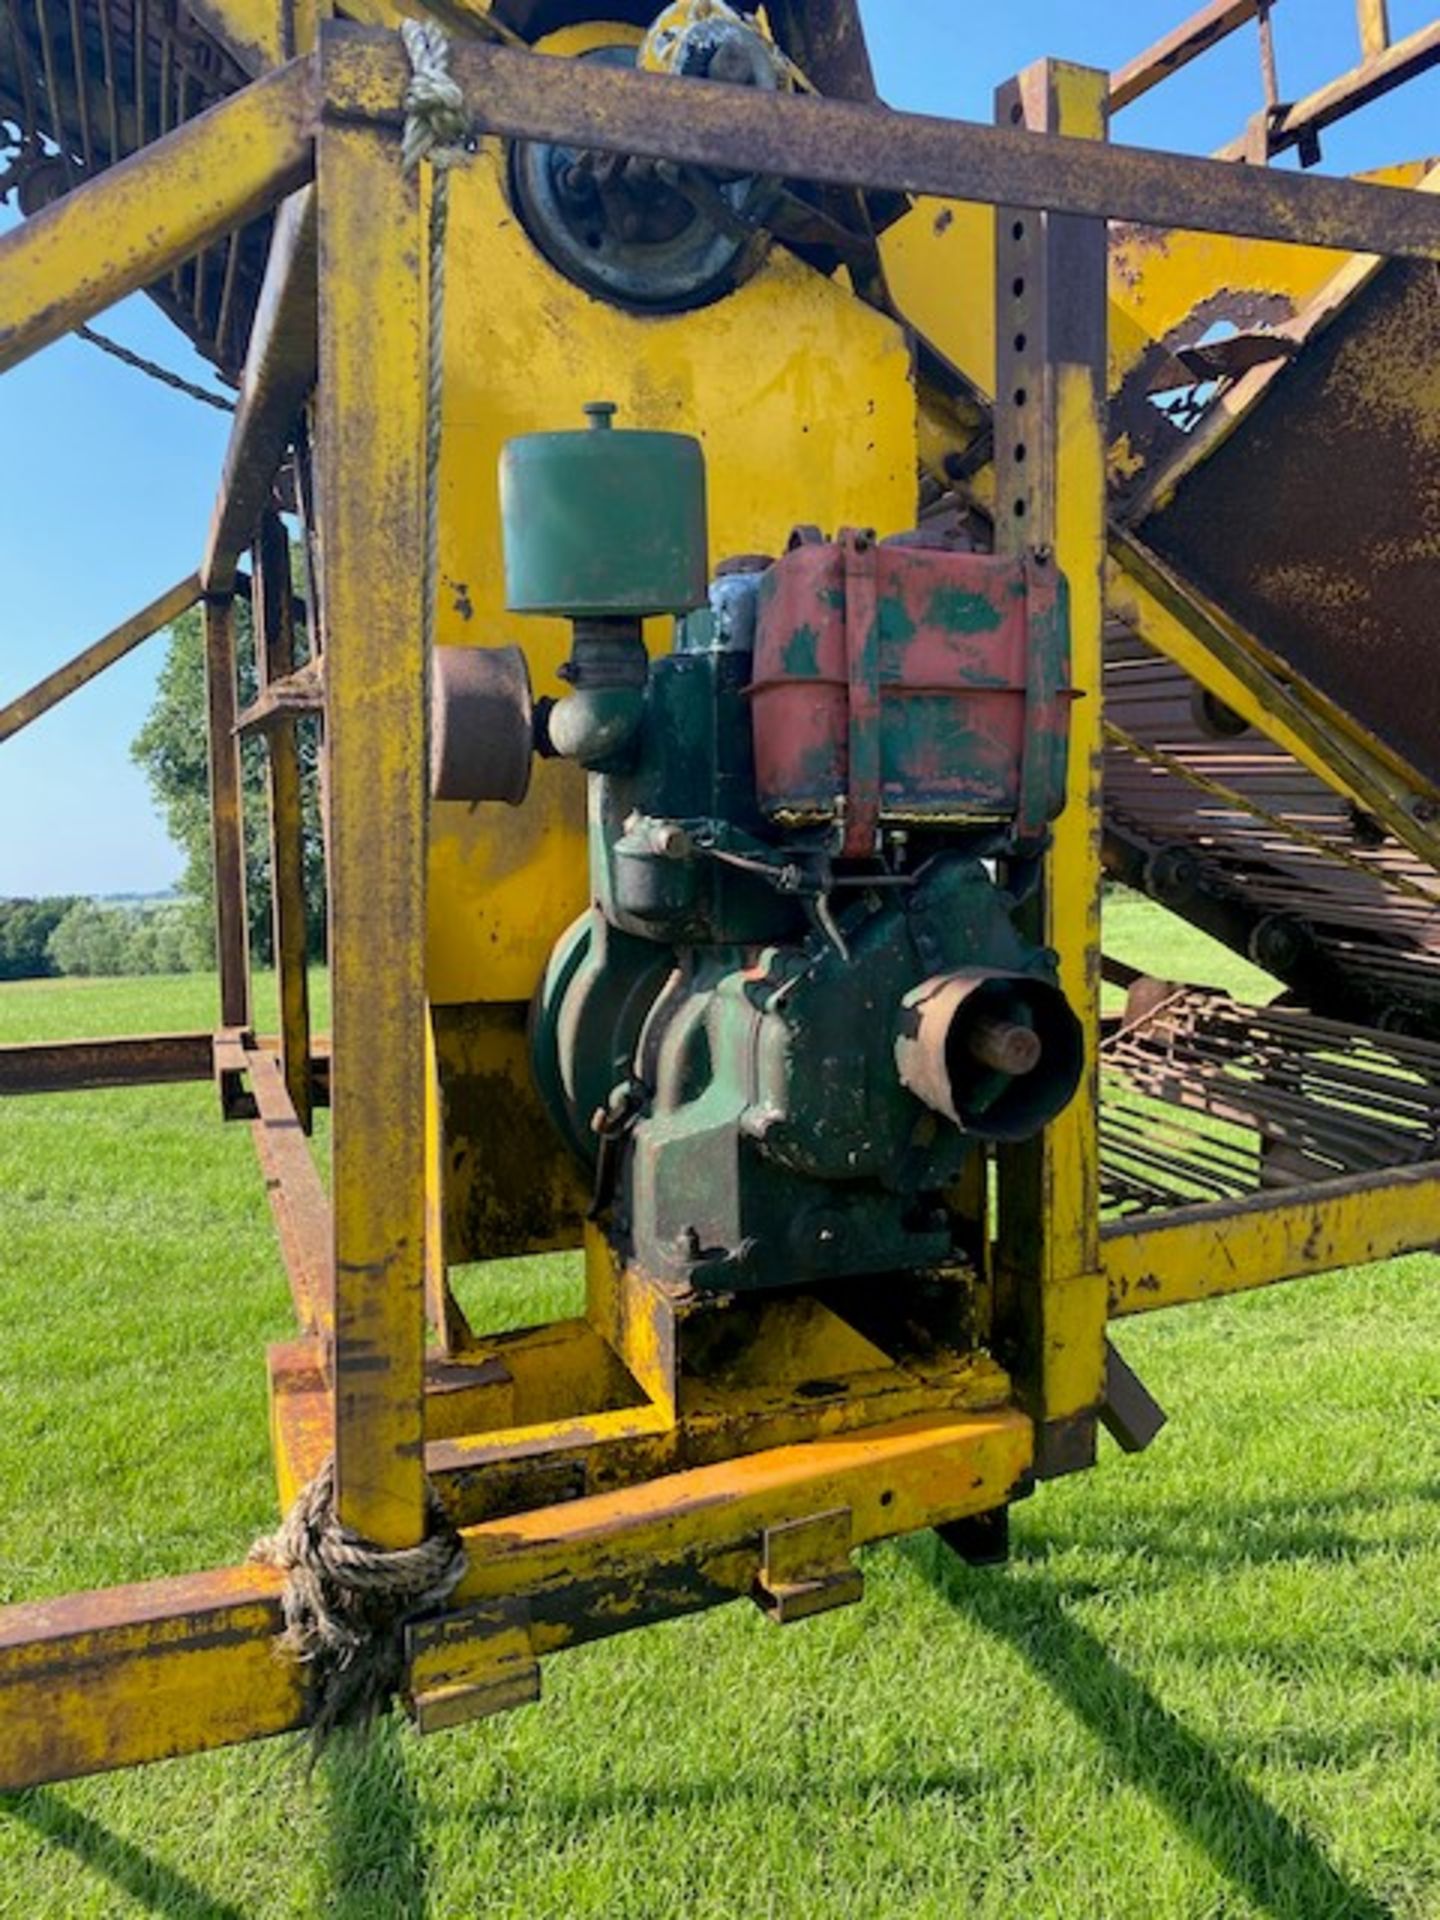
<point x="108" y="480"/>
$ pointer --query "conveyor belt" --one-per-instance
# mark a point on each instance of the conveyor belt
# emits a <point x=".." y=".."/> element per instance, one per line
<point x="1207" y="1099"/>
<point x="1295" y="878"/>
<point x="1312" y="523"/>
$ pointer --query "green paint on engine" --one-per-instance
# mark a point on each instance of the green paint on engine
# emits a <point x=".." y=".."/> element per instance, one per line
<point x="958" y="612"/>
<point x="894" y="626"/>
<point x="802" y="654"/>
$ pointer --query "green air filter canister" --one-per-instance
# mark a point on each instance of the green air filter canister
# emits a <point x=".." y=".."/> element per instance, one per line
<point x="604" y="524"/>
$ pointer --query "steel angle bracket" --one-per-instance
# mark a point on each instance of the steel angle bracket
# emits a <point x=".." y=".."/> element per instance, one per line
<point x="805" y="1567"/>
<point x="470" y="1664"/>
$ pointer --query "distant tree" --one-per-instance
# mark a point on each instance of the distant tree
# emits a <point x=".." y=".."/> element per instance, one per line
<point x="107" y="939"/>
<point x="25" y="930"/>
<point x="171" y="748"/>
<point x="91" y="939"/>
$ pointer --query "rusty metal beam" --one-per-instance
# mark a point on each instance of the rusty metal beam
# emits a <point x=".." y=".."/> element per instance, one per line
<point x="123" y="639"/>
<point x="93" y="1681"/>
<point x="840" y="143"/>
<point x="130" y="225"/>
<point x="1050" y="498"/>
<point x="1131" y="1413"/>
<point x="279" y="373"/>
<point x="1202" y="31"/>
<point x="827" y="44"/>
<point x="101" y="1680"/>
<point x="227" y="815"/>
<point x="1269" y="67"/>
<point x="130" y="1060"/>
<point x="1370" y="81"/>
<point x="298" y="1201"/>
<point x="75" y="1066"/>
<point x="285" y="699"/>
<point x="275" y="658"/>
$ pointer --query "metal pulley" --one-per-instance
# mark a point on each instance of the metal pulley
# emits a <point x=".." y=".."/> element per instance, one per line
<point x="644" y="233"/>
<point x="482" y="725"/>
<point x="710" y="40"/>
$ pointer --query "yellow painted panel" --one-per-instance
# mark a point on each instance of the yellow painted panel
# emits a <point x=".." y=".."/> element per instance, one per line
<point x="940" y="267"/>
<point x="803" y="400"/>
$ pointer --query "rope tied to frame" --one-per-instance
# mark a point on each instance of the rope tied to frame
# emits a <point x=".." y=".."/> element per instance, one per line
<point x="346" y="1601"/>
<point x="436" y="123"/>
<point x="436" y="129"/>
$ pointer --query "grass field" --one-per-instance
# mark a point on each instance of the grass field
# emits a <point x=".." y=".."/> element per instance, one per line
<point x="1208" y="1684"/>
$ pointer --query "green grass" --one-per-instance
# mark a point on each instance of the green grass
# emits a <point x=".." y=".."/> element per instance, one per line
<point x="1208" y="1684"/>
<point x="1168" y="947"/>
<point x="158" y="1003"/>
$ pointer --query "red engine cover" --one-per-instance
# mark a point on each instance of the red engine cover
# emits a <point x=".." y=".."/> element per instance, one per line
<point x="903" y="684"/>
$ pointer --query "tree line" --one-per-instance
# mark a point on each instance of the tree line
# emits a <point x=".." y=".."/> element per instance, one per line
<point x="65" y="934"/>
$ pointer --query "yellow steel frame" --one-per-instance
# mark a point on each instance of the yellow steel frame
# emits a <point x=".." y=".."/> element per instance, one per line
<point x="227" y="828"/>
<point x="705" y="1475"/>
<point x="113" y="646"/>
<point x="371" y="395"/>
<point x="1050" y="493"/>
<point x="1204" y="1252"/>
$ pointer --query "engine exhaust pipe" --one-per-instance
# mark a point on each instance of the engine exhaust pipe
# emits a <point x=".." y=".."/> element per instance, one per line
<point x="999" y="1054"/>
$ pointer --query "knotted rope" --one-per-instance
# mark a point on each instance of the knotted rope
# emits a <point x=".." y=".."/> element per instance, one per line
<point x="436" y="129"/>
<point x="346" y="1601"/>
<point x="435" y="120"/>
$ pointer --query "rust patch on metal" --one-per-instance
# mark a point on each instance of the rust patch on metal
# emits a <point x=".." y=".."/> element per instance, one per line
<point x="75" y="1066"/>
<point x="1317" y="522"/>
<point x="510" y="1184"/>
<point x="1146" y="432"/>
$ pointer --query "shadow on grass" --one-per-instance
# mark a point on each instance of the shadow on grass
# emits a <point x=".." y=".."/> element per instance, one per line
<point x="1266" y="1856"/>
<point x="1248" y="1533"/>
<point x="379" y="1861"/>
<point x="148" y="1881"/>
<point x="906" y="1785"/>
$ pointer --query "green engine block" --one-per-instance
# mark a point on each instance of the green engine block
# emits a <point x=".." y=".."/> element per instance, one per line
<point x="777" y="1040"/>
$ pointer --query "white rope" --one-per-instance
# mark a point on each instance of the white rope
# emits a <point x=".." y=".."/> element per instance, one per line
<point x="435" y="119"/>
<point x="436" y="129"/>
